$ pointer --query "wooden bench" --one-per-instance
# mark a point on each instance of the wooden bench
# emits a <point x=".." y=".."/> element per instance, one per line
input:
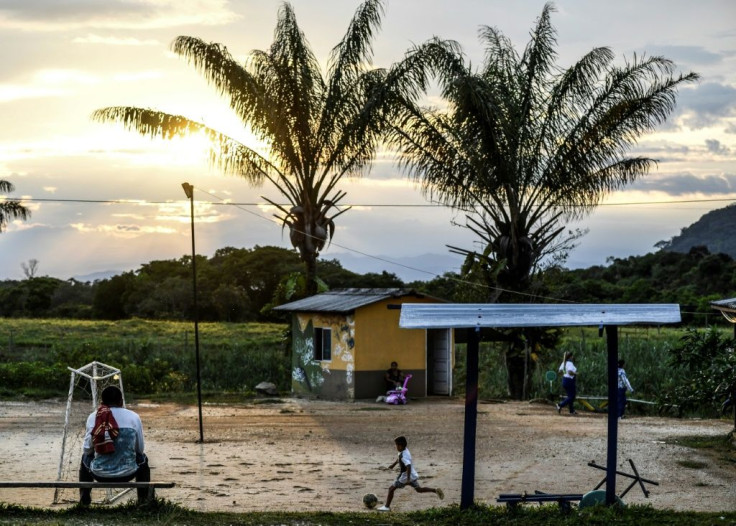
<point x="151" y="486"/>
<point x="513" y="499"/>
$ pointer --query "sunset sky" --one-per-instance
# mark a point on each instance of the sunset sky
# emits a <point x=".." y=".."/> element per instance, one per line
<point x="104" y="199"/>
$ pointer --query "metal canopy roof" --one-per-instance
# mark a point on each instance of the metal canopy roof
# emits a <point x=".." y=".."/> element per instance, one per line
<point x="727" y="305"/>
<point x="456" y="316"/>
<point x="346" y="300"/>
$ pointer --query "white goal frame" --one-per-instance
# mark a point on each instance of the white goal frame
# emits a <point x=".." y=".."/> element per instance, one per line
<point x="94" y="372"/>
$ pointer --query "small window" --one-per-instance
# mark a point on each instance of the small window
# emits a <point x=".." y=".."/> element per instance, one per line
<point x="322" y="344"/>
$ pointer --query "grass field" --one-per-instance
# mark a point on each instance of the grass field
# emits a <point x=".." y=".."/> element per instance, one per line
<point x="162" y="512"/>
<point x="157" y="358"/>
<point x="646" y="351"/>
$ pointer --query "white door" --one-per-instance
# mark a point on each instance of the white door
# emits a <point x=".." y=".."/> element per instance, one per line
<point x="439" y="361"/>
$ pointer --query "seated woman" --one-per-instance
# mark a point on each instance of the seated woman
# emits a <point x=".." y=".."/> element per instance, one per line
<point x="394" y="377"/>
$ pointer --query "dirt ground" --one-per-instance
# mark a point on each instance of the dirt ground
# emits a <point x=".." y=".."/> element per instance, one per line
<point x="315" y="455"/>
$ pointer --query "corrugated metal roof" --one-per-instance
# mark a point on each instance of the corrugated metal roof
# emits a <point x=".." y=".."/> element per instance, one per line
<point x="449" y="316"/>
<point x="728" y="305"/>
<point x="345" y="300"/>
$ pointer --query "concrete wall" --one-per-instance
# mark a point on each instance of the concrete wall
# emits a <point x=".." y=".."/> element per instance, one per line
<point x="378" y="332"/>
<point x="363" y="346"/>
<point x="323" y="378"/>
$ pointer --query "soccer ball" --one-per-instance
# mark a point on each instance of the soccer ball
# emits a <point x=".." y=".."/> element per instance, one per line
<point x="370" y="500"/>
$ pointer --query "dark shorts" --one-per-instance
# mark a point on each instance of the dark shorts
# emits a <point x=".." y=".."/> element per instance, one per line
<point x="398" y="485"/>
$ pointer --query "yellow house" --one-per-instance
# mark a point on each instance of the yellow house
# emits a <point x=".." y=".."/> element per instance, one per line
<point x="343" y="341"/>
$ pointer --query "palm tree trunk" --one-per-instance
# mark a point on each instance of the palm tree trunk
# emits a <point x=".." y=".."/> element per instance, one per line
<point x="310" y="264"/>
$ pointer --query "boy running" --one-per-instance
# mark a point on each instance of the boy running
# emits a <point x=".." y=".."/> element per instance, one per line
<point x="407" y="475"/>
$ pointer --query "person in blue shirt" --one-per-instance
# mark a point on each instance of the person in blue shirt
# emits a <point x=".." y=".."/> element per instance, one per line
<point x="570" y="372"/>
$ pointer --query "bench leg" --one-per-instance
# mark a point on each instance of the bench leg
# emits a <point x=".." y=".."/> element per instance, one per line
<point x="144" y="475"/>
<point x="85" y="494"/>
<point x="151" y="495"/>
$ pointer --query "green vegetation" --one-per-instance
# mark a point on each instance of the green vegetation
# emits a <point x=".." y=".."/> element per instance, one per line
<point x="156" y="358"/>
<point x="234" y="285"/>
<point x="646" y="350"/>
<point x="524" y="147"/>
<point x="713" y="230"/>
<point x="709" y="362"/>
<point x="162" y="512"/>
<point x="692" y="279"/>
<point x="240" y="285"/>
<point x="651" y="365"/>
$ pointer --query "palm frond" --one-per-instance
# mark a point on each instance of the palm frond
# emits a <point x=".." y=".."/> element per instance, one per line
<point x="12" y="209"/>
<point x="225" y="152"/>
<point x="348" y="60"/>
<point x="525" y="146"/>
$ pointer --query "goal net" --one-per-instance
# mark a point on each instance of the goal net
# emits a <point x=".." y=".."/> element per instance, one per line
<point x="85" y="387"/>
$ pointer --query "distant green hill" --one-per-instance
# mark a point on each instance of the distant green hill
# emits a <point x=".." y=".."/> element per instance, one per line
<point x="715" y="230"/>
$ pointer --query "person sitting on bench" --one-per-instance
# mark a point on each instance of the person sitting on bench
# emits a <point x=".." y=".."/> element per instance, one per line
<point x="113" y="446"/>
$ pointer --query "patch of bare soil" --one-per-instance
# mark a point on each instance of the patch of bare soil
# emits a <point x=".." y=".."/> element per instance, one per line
<point x="305" y="455"/>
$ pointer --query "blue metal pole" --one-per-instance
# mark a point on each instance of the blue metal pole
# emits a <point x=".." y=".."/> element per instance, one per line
<point x="467" y="495"/>
<point x="612" y="343"/>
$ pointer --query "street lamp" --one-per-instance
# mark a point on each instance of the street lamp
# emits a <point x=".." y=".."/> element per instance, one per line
<point x="189" y="191"/>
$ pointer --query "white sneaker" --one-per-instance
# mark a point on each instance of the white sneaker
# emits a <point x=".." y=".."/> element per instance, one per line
<point x="383" y="508"/>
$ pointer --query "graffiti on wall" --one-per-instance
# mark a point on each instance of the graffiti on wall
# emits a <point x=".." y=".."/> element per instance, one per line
<point x="309" y="375"/>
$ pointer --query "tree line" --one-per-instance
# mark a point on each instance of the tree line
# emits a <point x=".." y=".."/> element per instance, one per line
<point x="234" y="285"/>
<point x="242" y="284"/>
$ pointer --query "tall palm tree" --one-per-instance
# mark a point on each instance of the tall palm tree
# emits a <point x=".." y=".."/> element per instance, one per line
<point x="317" y="129"/>
<point x="11" y="208"/>
<point x="525" y="147"/>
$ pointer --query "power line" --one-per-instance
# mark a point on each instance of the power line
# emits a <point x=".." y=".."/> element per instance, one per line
<point x="372" y="205"/>
<point x="458" y="280"/>
<point x="221" y="202"/>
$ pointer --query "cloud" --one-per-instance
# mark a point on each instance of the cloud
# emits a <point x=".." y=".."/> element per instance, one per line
<point x="663" y="152"/>
<point x="690" y="55"/>
<point x="53" y="15"/>
<point x="13" y="92"/>
<point x="47" y="83"/>
<point x="123" y="230"/>
<point x="687" y="183"/>
<point x="706" y="105"/>
<point x="715" y="146"/>
<point x="115" y="41"/>
<point x="137" y="76"/>
<point x="204" y="212"/>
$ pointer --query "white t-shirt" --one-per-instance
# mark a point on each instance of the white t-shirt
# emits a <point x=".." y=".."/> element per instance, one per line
<point x="404" y="459"/>
<point x="623" y="380"/>
<point x="568" y="367"/>
<point x="129" y="446"/>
